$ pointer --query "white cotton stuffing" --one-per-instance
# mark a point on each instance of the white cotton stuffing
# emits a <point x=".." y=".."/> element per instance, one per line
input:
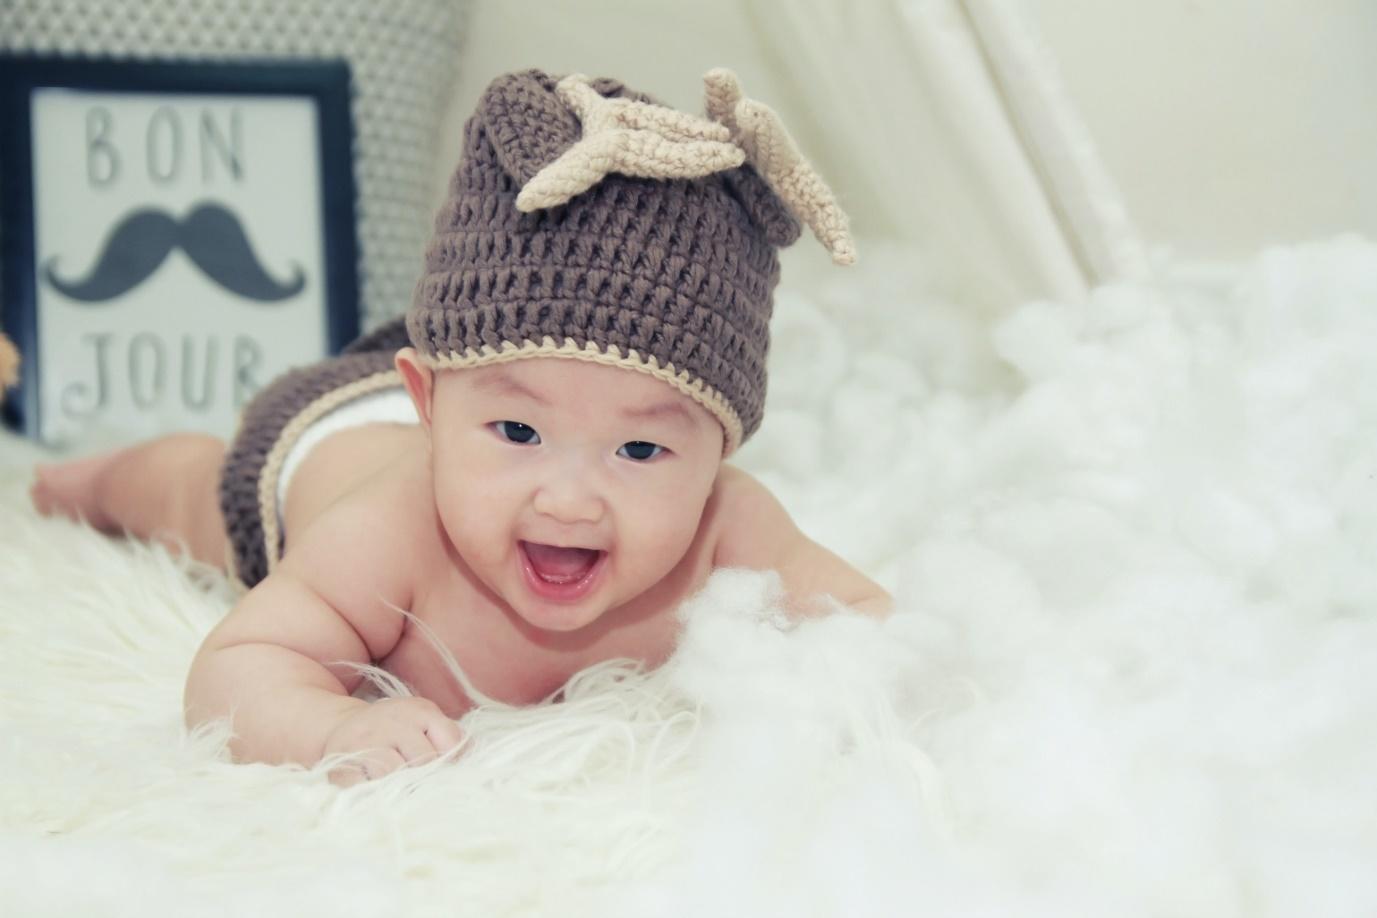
<point x="1132" y="670"/>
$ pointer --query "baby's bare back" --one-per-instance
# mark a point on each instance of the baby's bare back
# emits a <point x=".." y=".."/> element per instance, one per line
<point x="366" y="493"/>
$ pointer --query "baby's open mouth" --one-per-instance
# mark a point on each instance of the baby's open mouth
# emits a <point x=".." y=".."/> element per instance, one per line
<point x="560" y="565"/>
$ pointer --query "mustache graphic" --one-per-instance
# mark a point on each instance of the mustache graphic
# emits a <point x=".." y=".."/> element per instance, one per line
<point x="212" y="238"/>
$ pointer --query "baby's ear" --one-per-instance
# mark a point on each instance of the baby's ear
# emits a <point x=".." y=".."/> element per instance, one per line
<point x="419" y="380"/>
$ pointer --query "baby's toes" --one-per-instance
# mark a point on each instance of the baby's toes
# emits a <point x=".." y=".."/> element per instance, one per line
<point x="69" y="489"/>
<point x="57" y="492"/>
<point x="41" y="492"/>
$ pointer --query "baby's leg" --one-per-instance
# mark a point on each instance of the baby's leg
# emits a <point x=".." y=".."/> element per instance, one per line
<point x="165" y="489"/>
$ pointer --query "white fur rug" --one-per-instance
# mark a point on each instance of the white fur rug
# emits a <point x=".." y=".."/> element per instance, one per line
<point x="1134" y="670"/>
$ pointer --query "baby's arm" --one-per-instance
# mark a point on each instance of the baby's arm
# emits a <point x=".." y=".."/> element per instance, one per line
<point x="758" y="533"/>
<point x="267" y="667"/>
<point x="273" y="665"/>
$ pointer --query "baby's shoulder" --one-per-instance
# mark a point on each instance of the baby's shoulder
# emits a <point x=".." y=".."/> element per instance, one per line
<point x="739" y="497"/>
<point x="745" y="515"/>
<point x="373" y="541"/>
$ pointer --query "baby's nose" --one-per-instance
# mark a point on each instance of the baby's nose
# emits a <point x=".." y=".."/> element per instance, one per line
<point x="568" y="500"/>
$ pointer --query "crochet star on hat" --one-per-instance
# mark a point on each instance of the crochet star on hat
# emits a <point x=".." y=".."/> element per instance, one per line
<point x="588" y="221"/>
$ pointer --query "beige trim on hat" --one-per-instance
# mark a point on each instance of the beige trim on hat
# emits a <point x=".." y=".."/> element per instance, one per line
<point x="681" y="380"/>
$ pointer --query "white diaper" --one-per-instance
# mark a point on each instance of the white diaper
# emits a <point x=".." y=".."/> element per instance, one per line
<point x="386" y="406"/>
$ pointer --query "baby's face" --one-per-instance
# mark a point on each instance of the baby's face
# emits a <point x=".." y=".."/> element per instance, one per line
<point x="567" y="487"/>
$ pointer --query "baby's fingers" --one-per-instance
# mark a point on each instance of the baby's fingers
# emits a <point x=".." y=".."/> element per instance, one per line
<point x="414" y="747"/>
<point x="427" y="734"/>
<point x="369" y="766"/>
<point x="443" y="734"/>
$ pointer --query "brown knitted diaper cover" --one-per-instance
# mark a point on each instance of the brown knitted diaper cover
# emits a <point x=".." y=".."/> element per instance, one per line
<point x="273" y="422"/>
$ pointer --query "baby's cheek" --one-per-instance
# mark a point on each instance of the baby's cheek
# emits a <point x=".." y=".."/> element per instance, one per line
<point x="663" y="534"/>
<point x="472" y="517"/>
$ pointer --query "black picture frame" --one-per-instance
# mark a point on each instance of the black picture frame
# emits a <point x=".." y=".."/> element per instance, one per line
<point x="326" y="82"/>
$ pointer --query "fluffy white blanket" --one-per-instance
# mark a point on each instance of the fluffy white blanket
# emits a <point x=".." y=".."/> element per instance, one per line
<point x="1134" y="670"/>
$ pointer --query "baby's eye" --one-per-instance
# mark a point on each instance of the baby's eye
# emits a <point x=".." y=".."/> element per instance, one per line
<point x="516" y="432"/>
<point x="640" y="450"/>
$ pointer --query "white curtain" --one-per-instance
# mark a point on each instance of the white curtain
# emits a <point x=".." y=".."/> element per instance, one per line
<point x="943" y="122"/>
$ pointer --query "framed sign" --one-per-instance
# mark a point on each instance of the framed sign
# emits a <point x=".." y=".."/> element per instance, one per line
<point x="175" y="234"/>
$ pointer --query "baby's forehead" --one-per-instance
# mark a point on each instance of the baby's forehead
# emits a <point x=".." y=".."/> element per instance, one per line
<point x="552" y="376"/>
<point x="579" y="384"/>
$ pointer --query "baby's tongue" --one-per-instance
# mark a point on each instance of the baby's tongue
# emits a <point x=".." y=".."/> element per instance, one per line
<point x="560" y="564"/>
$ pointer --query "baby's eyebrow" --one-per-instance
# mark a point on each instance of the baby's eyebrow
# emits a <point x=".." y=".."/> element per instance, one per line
<point x="504" y="384"/>
<point x="669" y="411"/>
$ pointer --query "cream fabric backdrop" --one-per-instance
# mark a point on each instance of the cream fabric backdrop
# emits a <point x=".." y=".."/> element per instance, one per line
<point x="950" y="113"/>
<point x="1230" y="125"/>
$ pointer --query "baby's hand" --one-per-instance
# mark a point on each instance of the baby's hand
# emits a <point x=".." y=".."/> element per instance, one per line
<point x="391" y="733"/>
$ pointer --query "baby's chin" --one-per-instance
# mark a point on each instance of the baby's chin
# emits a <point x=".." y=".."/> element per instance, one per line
<point x="559" y="620"/>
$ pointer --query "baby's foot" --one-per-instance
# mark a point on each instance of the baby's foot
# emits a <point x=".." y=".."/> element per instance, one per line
<point x="70" y="489"/>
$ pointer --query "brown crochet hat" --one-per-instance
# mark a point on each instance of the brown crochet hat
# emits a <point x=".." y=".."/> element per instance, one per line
<point x="586" y="220"/>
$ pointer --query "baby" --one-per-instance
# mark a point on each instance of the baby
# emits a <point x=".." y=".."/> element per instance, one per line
<point x="531" y="464"/>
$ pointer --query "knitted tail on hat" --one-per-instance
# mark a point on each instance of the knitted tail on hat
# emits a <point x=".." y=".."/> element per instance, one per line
<point x="638" y="138"/>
